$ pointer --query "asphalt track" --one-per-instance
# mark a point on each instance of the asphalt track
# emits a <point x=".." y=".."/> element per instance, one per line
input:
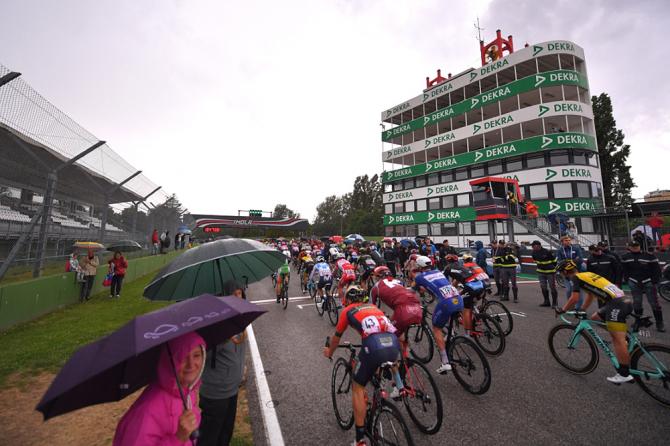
<point x="532" y="399"/>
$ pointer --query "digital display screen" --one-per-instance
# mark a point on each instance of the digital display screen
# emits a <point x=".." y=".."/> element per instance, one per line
<point x="210" y="229"/>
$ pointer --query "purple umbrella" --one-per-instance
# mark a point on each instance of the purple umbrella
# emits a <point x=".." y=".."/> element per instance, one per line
<point x="117" y="365"/>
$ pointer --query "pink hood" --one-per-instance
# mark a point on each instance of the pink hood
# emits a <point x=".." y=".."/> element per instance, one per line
<point x="154" y="417"/>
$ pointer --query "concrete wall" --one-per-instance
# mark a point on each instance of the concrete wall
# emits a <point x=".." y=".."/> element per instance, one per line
<point x="25" y="301"/>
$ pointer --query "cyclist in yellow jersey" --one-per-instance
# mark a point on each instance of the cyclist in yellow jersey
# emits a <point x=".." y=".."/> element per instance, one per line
<point x="614" y="308"/>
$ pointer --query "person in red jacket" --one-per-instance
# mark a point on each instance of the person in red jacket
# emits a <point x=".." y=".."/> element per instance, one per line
<point x="656" y="224"/>
<point x="117" y="266"/>
<point x="155" y="242"/>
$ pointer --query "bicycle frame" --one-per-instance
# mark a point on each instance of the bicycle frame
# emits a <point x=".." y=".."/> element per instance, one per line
<point x="633" y="343"/>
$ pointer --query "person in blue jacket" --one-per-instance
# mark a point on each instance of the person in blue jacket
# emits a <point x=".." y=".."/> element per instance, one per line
<point x="568" y="251"/>
<point x="480" y="258"/>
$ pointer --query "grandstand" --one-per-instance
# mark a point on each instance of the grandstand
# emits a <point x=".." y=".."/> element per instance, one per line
<point x="58" y="180"/>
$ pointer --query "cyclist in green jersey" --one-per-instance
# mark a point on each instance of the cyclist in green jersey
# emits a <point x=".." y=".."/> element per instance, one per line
<point x="283" y="275"/>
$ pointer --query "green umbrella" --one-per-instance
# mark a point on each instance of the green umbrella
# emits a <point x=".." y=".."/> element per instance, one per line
<point x="124" y="246"/>
<point x="206" y="268"/>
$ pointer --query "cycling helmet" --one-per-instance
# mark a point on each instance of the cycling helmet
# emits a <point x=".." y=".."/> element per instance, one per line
<point x="451" y="258"/>
<point x="320" y="259"/>
<point x="423" y="262"/>
<point x="566" y="265"/>
<point x="467" y="257"/>
<point x="381" y="271"/>
<point x="354" y="293"/>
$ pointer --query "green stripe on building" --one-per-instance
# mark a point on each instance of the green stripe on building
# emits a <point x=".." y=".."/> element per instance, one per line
<point x="570" y="206"/>
<point x="529" y="83"/>
<point x="513" y="148"/>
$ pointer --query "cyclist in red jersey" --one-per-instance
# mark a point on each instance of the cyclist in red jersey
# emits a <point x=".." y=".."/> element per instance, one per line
<point x="380" y="345"/>
<point x="347" y="274"/>
<point x="404" y="302"/>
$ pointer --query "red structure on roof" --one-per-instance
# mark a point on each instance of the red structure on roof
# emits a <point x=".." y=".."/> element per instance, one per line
<point x="494" y="49"/>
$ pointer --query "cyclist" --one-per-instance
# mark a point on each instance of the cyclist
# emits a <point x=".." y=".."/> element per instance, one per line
<point x="474" y="281"/>
<point x="283" y="275"/>
<point x="403" y="301"/>
<point x="306" y="267"/>
<point x="321" y="275"/>
<point x="616" y="308"/>
<point x="380" y="345"/>
<point x="451" y="261"/>
<point x="346" y="272"/>
<point x="366" y="266"/>
<point x="449" y="302"/>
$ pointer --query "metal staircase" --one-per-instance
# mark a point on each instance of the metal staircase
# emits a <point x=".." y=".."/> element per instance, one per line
<point x="541" y="228"/>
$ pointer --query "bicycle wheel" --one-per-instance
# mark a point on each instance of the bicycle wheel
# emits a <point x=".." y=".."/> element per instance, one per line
<point x="333" y="313"/>
<point x="284" y="296"/>
<point x="501" y="314"/>
<point x="664" y="291"/>
<point x="340" y="391"/>
<point x="427" y="298"/>
<point x="490" y="337"/>
<point x="274" y="281"/>
<point x="319" y="303"/>
<point x="470" y="367"/>
<point x="303" y="284"/>
<point x="423" y="402"/>
<point x="421" y="343"/>
<point x="389" y="427"/>
<point x="312" y="290"/>
<point x="653" y="361"/>
<point x="580" y="355"/>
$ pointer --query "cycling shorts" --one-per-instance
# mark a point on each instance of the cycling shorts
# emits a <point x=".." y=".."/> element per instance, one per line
<point x="377" y="349"/>
<point x="406" y="315"/>
<point x="445" y="308"/>
<point x="615" y="312"/>
<point x="348" y="277"/>
<point x="324" y="282"/>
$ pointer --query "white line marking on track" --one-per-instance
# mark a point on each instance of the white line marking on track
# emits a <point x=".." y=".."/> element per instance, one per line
<point x="519" y="313"/>
<point x="527" y="281"/>
<point x="273" y="433"/>
<point x="265" y="301"/>
<point x="305" y="305"/>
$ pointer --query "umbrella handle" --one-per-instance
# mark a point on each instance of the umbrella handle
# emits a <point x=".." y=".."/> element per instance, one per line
<point x="246" y="282"/>
<point x="196" y="433"/>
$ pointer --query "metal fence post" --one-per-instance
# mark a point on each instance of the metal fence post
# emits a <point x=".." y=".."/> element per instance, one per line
<point x="44" y="226"/>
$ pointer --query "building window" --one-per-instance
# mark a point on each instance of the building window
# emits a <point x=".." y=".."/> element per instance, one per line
<point x="409" y="206"/>
<point x="501" y="227"/>
<point x="446" y="177"/>
<point x="513" y="165"/>
<point x="420" y="205"/>
<point x="409" y="183"/>
<point x="397" y="186"/>
<point x="388" y="208"/>
<point x="535" y="161"/>
<point x="596" y="191"/>
<point x="388" y="187"/>
<point x="398" y="208"/>
<point x="519" y="229"/>
<point x="461" y="174"/>
<point x="592" y="159"/>
<point x="583" y="190"/>
<point x="559" y="157"/>
<point x="562" y="190"/>
<point x="388" y="231"/>
<point x="435" y="229"/>
<point x="420" y="181"/>
<point x="423" y="229"/>
<point x="434" y="204"/>
<point x="463" y="200"/>
<point x="433" y="179"/>
<point x="449" y="229"/>
<point x="465" y="228"/>
<point x="476" y="172"/>
<point x="495" y="167"/>
<point x="481" y="227"/>
<point x="579" y="158"/>
<point x="448" y="202"/>
<point x="587" y="225"/>
<point x="538" y="191"/>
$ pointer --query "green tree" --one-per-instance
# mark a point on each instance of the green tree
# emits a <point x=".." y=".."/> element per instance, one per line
<point x="282" y="211"/>
<point x="330" y="216"/>
<point x="617" y="181"/>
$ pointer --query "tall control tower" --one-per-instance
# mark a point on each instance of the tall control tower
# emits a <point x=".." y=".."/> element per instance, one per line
<point x="463" y="159"/>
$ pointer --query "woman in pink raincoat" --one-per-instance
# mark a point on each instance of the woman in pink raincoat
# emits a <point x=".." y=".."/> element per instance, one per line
<point x="158" y="417"/>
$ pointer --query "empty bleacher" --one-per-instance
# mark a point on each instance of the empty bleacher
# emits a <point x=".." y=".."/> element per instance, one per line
<point x="8" y="214"/>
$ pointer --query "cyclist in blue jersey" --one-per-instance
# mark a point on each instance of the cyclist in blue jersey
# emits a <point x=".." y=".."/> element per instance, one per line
<point x="449" y="302"/>
<point x="321" y="275"/>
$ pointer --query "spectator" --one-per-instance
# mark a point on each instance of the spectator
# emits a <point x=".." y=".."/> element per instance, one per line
<point x="117" y="266"/>
<point x="568" y="251"/>
<point x="480" y="258"/>
<point x="89" y="267"/>
<point x="533" y="212"/>
<point x="154" y="242"/>
<point x="221" y="380"/>
<point x="642" y="272"/>
<point x="656" y="223"/>
<point x="165" y="241"/>
<point x="158" y="416"/>
<point x="183" y="241"/>
<point x="177" y="241"/>
<point x="391" y="257"/>
<point x="545" y="262"/>
<point x="602" y="264"/>
<point x="571" y="230"/>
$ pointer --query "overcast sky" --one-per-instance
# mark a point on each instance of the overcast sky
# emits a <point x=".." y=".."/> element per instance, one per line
<point x="245" y="104"/>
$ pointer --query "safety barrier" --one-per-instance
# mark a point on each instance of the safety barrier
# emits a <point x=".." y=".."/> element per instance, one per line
<point x="25" y="301"/>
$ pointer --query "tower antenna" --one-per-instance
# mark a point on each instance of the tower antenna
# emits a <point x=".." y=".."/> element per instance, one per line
<point x="479" y="30"/>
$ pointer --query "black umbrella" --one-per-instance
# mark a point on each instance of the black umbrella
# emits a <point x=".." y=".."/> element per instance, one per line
<point x="205" y="268"/>
<point x="117" y="365"/>
<point x="124" y="246"/>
